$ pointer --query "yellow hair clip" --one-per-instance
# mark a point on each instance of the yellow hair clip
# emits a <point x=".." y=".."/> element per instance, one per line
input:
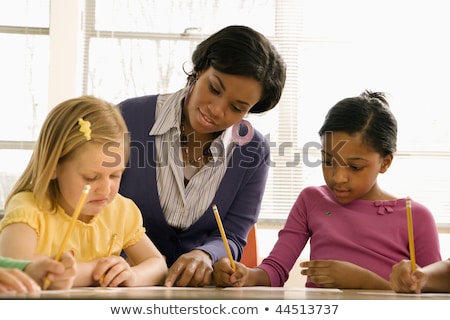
<point x="85" y="128"/>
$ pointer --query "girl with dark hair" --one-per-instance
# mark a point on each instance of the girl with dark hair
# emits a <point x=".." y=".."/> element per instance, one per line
<point x="357" y="230"/>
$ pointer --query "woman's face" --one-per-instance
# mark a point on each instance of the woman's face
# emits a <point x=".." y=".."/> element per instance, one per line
<point x="219" y="100"/>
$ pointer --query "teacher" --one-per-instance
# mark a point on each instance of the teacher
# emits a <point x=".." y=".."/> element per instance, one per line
<point x="192" y="149"/>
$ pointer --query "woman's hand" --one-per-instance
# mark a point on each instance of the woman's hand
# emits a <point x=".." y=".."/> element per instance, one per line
<point x="193" y="269"/>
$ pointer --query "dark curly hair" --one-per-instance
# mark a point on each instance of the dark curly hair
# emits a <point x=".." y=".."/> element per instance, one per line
<point x="240" y="50"/>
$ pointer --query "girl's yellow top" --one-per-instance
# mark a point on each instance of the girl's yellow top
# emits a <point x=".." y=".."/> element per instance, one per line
<point x="120" y="222"/>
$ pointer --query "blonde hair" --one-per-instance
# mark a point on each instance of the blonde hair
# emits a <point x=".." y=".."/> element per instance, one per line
<point x="60" y="136"/>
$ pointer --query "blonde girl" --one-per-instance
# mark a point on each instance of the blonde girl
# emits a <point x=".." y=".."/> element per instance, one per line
<point x="83" y="142"/>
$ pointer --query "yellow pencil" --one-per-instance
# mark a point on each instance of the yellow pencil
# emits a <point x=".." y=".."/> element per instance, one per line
<point x="224" y="237"/>
<point x="75" y="215"/>
<point x="111" y="244"/>
<point x="412" y="252"/>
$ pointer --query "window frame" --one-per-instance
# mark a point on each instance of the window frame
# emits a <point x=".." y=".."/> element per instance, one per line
<point x="69" y="40"/>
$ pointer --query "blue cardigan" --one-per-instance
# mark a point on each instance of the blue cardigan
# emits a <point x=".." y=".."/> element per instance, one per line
<point x="238" y="197"/>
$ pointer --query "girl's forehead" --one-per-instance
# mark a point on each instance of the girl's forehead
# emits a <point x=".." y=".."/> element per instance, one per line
<point x="332" y="139"/>
<point x="348" y="145"/>
<point x="98" y="152"/>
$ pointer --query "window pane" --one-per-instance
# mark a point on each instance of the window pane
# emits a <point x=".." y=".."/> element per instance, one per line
<point x="425" y="179"/>
<point x="137" y="64"/>
<point x="177" y="15"/>
<point x="134" y="67"/>
<point x="352" y="68"/>
<point x="12" y="163"/>
<point x="30" y="13"/>
<point x="24" y="78"/>
<point x="400" y="47"/>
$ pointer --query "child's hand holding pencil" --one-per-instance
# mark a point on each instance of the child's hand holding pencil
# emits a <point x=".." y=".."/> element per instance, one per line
<point x="60" y="274"/>
<point x="75" y="215"/>
<point x="225" y="276"/>
<point x="111" y="244"/>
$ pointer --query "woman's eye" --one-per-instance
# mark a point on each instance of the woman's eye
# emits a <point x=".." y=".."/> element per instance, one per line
<point x="236" y="108"/>
<point x="213" y="90"/>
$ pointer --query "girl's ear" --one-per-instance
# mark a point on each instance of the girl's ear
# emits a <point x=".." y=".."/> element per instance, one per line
<point x="53" y="177"/>
<point x="386" y="163"/>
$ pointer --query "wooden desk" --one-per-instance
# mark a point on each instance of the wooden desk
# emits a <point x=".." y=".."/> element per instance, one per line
<point x="233" y="303"/>
<point x="212" y="293"/>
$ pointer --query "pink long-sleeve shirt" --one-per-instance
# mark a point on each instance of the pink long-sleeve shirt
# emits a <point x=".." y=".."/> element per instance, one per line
<point x="370" y="234"/>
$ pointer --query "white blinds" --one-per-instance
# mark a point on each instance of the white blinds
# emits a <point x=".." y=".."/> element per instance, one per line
<point x="333" y="49"/>
<point x="140" y="47"/>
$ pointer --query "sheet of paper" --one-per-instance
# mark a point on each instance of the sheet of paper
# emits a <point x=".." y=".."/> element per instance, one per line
<point x="262" y="288"/>
<point x="409" y="295"/>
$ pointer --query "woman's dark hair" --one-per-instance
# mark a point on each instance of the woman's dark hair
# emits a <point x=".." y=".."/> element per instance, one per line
<point x="367" y="114"/>
<point x="240" y="50"/>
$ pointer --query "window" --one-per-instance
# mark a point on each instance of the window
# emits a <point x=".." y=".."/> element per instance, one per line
<point x="24" y="30"/>
<point x="147" y="53"/>
<point x="395" y="46"/>
<point x="141" y="47"/>
<point x="334" y="49"/>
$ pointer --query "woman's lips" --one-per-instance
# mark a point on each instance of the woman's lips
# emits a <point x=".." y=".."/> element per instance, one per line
<point x="205" y="121"/>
